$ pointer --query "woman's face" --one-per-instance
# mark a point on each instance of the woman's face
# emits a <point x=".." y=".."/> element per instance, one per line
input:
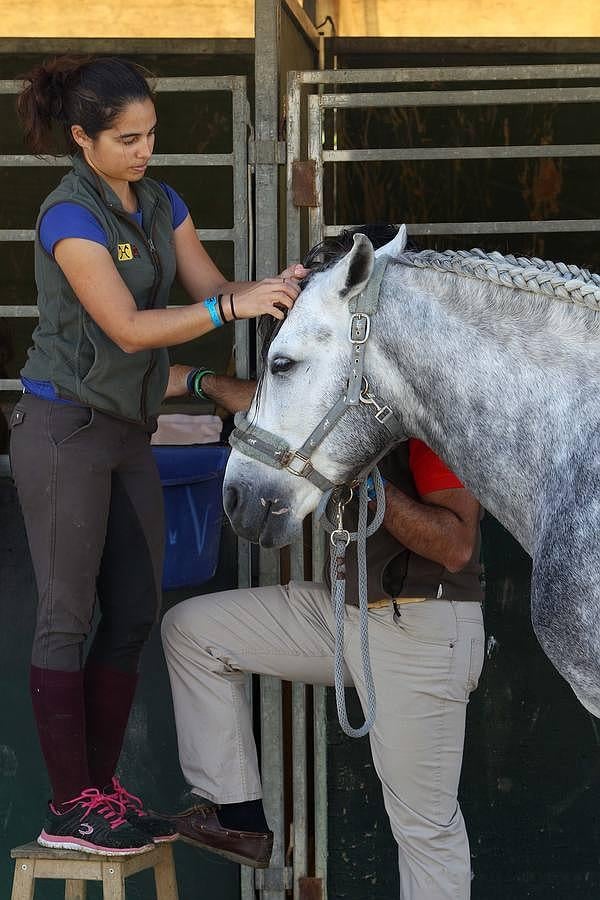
<point x="122" y="152"/>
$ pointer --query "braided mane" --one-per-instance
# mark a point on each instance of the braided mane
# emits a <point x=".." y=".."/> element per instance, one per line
<point x="568" y="284"/>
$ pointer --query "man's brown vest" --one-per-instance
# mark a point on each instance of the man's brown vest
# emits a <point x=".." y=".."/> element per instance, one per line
<point x="393" y="570"/>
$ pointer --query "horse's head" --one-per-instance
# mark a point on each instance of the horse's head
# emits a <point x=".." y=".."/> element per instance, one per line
<point x="311" y="424"/>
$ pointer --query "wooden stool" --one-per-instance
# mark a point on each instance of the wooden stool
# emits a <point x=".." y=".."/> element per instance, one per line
<point x="33" y="861"/>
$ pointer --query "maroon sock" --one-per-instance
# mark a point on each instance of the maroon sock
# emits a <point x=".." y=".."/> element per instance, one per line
<point x="108" y="698"/>
<point x="57" y="699"/>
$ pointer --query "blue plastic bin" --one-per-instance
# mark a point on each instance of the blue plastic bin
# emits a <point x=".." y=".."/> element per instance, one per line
<point x="192" y="480"/>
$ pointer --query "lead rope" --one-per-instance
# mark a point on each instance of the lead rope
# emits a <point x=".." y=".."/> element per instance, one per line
<point x="340" y="538"/>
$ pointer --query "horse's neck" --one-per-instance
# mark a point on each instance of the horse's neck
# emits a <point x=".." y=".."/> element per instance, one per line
<point x="491" y="415"/>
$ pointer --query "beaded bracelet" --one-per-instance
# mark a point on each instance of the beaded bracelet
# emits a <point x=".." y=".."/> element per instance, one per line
<point x="194" y="383"/>
<point x="212" y="305"/>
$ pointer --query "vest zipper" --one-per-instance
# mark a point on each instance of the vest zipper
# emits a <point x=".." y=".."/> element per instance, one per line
<point x="148" y="240"/>
<point x="158" y="269"/>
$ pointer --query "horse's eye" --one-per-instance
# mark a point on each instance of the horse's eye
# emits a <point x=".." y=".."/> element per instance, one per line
<point x="281" y="364"/>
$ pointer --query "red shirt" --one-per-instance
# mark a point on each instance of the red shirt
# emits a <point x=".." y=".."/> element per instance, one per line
<point x="429" y="472"/>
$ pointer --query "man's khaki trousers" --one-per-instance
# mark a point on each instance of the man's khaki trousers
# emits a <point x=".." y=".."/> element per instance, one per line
<point x="425" y="664"/>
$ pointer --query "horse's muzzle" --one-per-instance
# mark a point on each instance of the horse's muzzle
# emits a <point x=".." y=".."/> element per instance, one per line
<point x="259" y="516"/>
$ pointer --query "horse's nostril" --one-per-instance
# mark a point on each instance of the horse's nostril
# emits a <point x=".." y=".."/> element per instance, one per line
<point x="230" y="499"/>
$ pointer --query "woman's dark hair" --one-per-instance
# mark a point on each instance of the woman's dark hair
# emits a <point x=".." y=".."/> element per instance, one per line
<point x="90" y="92"/>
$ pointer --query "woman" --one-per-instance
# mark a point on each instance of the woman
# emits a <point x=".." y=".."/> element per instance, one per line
<point x="109" y="243"/>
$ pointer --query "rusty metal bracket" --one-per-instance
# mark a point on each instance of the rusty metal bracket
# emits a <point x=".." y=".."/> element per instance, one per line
<point x="304" y="183"/>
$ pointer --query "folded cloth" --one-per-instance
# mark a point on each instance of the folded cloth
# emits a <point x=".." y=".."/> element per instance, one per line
<point x="178" y="428"/>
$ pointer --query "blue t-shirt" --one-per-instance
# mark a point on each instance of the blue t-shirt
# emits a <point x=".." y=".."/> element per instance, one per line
<point x="70" y="220"/>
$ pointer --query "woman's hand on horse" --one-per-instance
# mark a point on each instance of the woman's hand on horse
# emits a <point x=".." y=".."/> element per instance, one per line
<point x="273" y="296"/>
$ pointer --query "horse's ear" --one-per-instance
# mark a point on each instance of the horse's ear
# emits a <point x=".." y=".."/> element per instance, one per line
<point x="394" y="247"/>
<point x="352" y="272"/>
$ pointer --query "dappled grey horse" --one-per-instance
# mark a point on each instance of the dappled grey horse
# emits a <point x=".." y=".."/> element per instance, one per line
<point x="492" y="361"/>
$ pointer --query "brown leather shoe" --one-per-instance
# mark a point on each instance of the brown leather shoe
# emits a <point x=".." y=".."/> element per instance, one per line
<point x="199" y="825"/>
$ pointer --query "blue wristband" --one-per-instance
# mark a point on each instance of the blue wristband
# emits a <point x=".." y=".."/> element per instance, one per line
<point x="212" y="305"/>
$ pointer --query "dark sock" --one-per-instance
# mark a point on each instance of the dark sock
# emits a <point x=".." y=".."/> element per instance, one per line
<point x="57" y="699"/>
<point x="246" y="816"/>
<point x="108" y="698"/>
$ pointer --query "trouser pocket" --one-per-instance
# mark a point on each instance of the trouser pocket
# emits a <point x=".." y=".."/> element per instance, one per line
<point x="66" y="421"/>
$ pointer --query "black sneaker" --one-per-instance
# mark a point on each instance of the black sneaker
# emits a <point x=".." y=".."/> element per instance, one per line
<point x="92" y="822"/>
<point x="153" y="826"/>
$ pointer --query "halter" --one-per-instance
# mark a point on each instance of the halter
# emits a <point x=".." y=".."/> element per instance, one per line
<point x="268" y="448"/>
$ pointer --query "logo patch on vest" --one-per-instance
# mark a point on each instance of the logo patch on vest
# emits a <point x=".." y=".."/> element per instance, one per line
<point x="127" y="252"/>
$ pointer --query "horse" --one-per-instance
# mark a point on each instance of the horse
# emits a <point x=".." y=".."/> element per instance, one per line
<point x="493" y="361"/>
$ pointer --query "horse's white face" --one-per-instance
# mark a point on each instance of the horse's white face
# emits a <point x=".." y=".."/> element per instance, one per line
<point x="306" y="373"/>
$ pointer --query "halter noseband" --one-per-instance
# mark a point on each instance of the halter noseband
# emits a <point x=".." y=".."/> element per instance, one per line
<point x="268" y="448"/>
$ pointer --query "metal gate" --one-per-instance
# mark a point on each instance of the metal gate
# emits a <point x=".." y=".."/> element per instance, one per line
<point x="333" y="95"/>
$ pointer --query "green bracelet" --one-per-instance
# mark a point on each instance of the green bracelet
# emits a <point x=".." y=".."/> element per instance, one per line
<point x="196" y="383"/>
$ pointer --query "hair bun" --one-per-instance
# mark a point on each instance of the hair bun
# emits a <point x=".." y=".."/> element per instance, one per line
<point x="86" y="91"/>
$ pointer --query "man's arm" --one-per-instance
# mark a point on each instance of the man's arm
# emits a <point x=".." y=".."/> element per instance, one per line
<point x="232" y="393"/>
<point x="441" y="526"/>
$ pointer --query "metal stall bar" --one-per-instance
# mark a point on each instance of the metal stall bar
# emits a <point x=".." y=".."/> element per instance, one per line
<point x="294" y="19"/>
<point x="462" y="98"/>
<point x="278" y="25"/>
<point x="315" y="146"/>
<point x="270" y="882"/>
<point x="391" y="154"/>
<point x="527" y="226"/>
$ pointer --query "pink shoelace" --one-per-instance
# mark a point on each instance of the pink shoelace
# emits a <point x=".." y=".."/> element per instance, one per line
<point x="127" y="800"/>
<point x="108" y="806"/>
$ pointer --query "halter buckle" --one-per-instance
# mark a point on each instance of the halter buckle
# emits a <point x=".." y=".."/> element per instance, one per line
<point x="383" y="413"/>
<point x="360" y="328"/>
<point x="298" y="465"/>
